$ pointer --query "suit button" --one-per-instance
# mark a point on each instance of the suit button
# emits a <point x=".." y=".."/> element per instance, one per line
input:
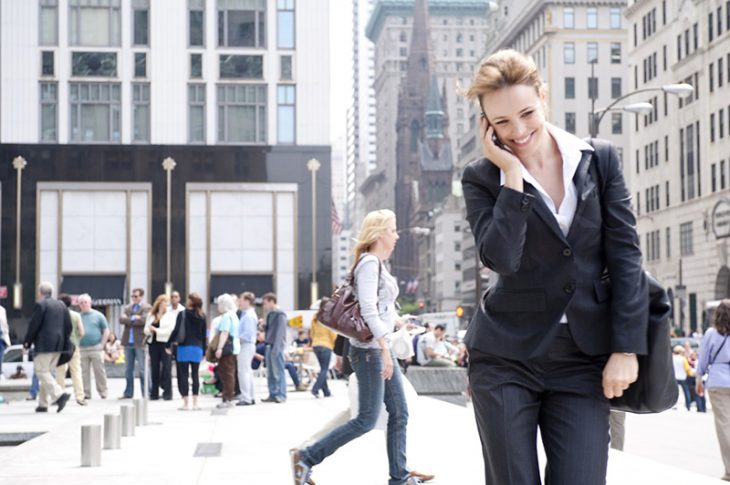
<point x="525" y="205"/>
<point x="567" y="252"/>
<point x="569" y="288"/>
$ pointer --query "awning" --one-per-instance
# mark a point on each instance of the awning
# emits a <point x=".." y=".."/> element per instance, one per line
<point x="237" y="284"/>
<point x="103" y="289"/>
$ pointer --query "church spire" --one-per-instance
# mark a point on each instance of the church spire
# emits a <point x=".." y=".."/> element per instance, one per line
<point x="434" y="112"/>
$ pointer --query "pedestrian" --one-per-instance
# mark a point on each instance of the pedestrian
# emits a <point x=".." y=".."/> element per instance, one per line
<point x="73" y="365"/>
<point x="714" y="362"/>
<point x="96" y="333"/>
<point x="323" y="342"/>
<point x="680" y="373"/>
<point x="557" y="334"/>
<point x="112" y="349"/>
<point x="190" y="349"/>
<point x="229" y="345"/>
<point x="133" y="318"/>
<point x="276" y="325"/>
<point x="49" y="332"/>
<point x="158" y="327"/>
<point x="247" y="325"/>
<point x="4" y="334"/>
<point x="378" y="380"/>
<point x="175" y="306"/>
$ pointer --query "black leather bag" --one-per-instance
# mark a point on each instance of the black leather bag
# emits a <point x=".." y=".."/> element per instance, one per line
<point x="655" y="390"/>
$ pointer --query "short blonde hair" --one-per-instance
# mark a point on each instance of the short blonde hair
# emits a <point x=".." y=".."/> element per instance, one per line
<point x="225" y="303"/>
<point x="372" y="227"/>
<point x="503" y="69"/>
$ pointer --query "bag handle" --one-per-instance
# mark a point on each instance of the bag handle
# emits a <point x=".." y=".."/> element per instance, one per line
<point x="712" y="361"/>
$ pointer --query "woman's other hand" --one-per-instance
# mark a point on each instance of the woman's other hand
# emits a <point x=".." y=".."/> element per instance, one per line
<point x="700" y="387"/>
<point x="387" y="372"/>
<point x="621" y="370"/>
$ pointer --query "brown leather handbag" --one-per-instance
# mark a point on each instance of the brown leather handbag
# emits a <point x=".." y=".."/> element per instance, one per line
<point x="341" y="312"/>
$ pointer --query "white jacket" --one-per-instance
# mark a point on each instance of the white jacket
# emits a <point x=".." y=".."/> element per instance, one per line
<point x="167" y="325"/>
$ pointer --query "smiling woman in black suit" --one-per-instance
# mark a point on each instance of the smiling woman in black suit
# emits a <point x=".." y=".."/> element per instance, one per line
<point x="554" y="339"/>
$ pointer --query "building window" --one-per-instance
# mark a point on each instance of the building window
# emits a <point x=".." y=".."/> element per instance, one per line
<point x="710" y="27"/>
<point x="196" y="113"/>
<point x="569" y="53"/>
<point x="95" y="112"/>
<point x="49" y="117"/>
<point x="592" y="18"/>
<point x="592" y="87"/>
<point x="140" y="64"/>
<point x="721" y="123"/>
<point x="48" y="24"/>
<point x="686" y="246"/>
<point x="96" y="64"/>
<point x="615" y="87"/>
<point x="242" y="23"/>
<point x="615" y="18"/>
<point x="285" y="68"/>
<point x="569" y="88"/>
<point x="711" y="76"/>
<point x="713" y="179"/>
<point x="570" y="122"/>
<point x="722" y="175"/>
<point x="720" y="70"/>
<point x="615" y="53"/>
<point x="196" y="23"/>
<point x="285" y="31"/>
<point x="616" y="123"/>
<point x="141" y="19"/>
<point x="592" y="52"/>
<point x="241" y="113"/>
<point x="286" y="114"/>
<point x="241" y="67"/>
<point x="568" y="18"/>
<point x="666" y="192"/>
<point x="97" y="24"/>
<point x="669" y="242"/>
<point x="712" y="127"/>
<point x="141" y="112"/>
<point x="47" y="64"/>
<point x="403" y="51"/>
<point x="196" y="66"/>
<point x="403" y="37"/>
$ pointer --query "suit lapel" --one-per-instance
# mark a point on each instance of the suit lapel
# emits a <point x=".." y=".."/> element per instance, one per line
<point x="584" y="185"/>
<point x="543" y="211"/>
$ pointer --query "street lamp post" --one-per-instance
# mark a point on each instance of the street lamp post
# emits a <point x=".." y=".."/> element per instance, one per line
<point x="19" y="164"/>
<point x="313" y="165"/>
<point x="677" y="89"/>
<point x="169" y="165"/>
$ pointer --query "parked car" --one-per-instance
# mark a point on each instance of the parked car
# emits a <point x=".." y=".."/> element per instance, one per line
<point x="693" y="342"/>
<point x="14" y="357"/>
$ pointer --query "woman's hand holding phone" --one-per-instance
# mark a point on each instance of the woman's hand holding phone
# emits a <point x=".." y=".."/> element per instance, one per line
<point x="501" y="157"/>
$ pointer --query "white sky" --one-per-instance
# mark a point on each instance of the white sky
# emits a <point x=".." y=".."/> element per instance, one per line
<point x="340" y="66"/>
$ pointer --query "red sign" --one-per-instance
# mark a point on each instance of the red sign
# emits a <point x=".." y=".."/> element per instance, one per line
<point x="3" y="292"/>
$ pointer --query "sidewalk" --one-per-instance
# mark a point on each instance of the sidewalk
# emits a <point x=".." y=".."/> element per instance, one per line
<point x="256" y="439"/>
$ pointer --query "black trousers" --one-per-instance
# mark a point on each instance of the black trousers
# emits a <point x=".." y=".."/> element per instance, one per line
<point x="560" y="393"/>
<point x="160" y="371"/>
<point x="182" y="377"/>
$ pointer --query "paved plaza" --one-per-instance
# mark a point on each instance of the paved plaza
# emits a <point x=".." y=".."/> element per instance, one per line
<point x="674" y="448"/>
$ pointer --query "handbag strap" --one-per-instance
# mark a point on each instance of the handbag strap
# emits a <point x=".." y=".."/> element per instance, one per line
<point x="712" y="361"/>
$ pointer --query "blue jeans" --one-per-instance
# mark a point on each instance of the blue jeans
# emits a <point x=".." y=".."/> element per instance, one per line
<point x="35" y="387"/>
<point x="132" y="356"/>
<point x="685" y="390"/>
<point x="292" y="370"/>
<point x="372" y="391"/>
<point x="323" y="356"/>
<point x="275" y="378"/>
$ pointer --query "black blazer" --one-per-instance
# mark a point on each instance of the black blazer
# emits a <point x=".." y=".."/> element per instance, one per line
<point x="543" y="274"/>
<point x="50" y="326"/>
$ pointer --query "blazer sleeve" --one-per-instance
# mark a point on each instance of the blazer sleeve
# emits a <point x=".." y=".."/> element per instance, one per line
<point x="499" y="224"/>
<point x="34" y="327"/>
<point x="124" y="318"/>
<point x="630" y="289"/>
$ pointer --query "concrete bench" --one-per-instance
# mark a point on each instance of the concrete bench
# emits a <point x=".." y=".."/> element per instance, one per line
<point x="445" y="383"/>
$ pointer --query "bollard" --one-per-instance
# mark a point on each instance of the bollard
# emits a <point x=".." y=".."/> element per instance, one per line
<point x="140" y="410"/>
<point x="91" y="445"/>
<point x="112" y="432"/>
<point x="128" y="423"/>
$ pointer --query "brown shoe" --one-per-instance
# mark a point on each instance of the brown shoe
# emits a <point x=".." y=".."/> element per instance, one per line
<point x="301" y="471"/>
<point x="421" y="476"/>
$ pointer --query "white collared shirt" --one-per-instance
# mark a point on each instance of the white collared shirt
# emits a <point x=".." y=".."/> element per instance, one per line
<point x="571" y="150"/>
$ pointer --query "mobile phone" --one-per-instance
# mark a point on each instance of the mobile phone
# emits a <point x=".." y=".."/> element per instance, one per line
<point x="495" y="139"/>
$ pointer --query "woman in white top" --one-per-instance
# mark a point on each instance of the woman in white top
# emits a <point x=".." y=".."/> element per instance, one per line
<point x="379" y="381"/>
<point x="159" y="327"/>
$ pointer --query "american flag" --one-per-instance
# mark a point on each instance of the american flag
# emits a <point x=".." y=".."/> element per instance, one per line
<point x="336" y="223"/>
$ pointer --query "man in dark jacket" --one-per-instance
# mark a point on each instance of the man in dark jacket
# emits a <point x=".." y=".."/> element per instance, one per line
<point x="276" y="324"/>
<point x="49" y="332"/>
